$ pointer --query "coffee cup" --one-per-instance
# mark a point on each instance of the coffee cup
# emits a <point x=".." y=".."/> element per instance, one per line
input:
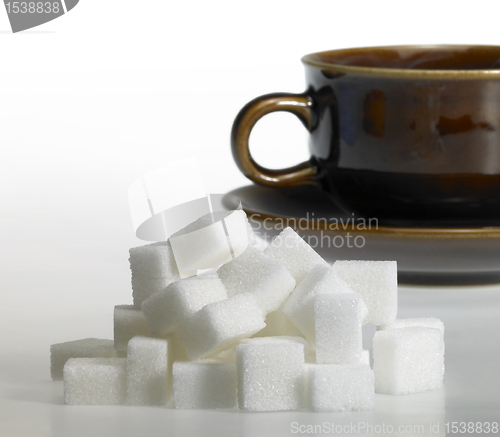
<point x="409" y="135"/>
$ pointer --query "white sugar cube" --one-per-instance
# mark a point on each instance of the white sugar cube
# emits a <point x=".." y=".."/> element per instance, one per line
<point x="153" y="268"/>
<point x="210" y="241"/>
<point x="376" y="282"/>
<point x="144" y="287"/>
<point x="277" y="324"/>
<point x="425" y="322"/>
<point x="204" y="384"/>
<point x="299" y="307"/>
<point x="253" y="272"/>
<point x="309" y="351"/>
<point x="85" y="348"/>
<point x="340" y="387"/>
<point x="154" y="260"/>
<point x="220" y="325"/>
<point x="147" y="371"/>
<point x="338" y="328"/>
<point x="270" y="374"/>
<point x="128" y="322"/>
<point x="408" y="360"/>
<point x="294" y="253"/>
<point x="95" y="381"/>
<point x="165" y="310"/>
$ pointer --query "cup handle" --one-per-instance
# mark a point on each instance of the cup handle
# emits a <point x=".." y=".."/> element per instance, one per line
<point x="300" y="105"/>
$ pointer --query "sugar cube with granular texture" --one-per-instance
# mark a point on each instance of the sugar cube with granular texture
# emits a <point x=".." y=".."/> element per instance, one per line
<point x="255" y="273"/>
<point x="377" y="284"/>
<point x="168" y="308"/>
<point x="309" y="351"/>
<point x="425" y="322"/>
<point x="153" y="268"/>
<point x="85" y="348"/>
<point x="340" y="387"/>
<point x="294" y="253"/>
<point x="144" y="287"/>
<point x="270" y="374"/>
<point x="95" y="381"/>
<point x="204" y="384"/>
<point x="220" y="325"/>
<point x="277" y="324"/>
<point x="338" y="328"/>
<point x="128" y="322"/>
<point x="408" y="360"/>
<point x="147" y="371"/>
<point x="154" y="260"/>
<point x="299" y="307"/>
<point x="212" y="240"/>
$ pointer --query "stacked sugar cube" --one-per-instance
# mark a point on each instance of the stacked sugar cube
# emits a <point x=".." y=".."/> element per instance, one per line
<point x="270" y="330"/>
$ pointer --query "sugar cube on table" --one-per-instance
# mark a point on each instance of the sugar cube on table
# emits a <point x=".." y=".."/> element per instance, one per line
<point x="128" y="322"/>
<point x="147" y="371"/>
<point x="84" y="348"/>
<point x="254" y="272"/>
<point x="270" y="374"/>
<point x="216" y="237"/>
<point x="299" y="307"/>
<point x="425" y="322"/>
<point x="277" y="324"/>
<point x="377" y="284"/>
<point x="294" y="253"/>
<point x="95" y="381"/>
<point x="340" y="387"/>
<point x="204" y="384"/>
<point x="168" y="308"/>
<point x="338" y="328"/>
<point x="408" y="360"/>
<point x="220" y="325"/>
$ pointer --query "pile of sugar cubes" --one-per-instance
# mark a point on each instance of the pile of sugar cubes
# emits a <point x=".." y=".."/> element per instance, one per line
<point x="268" y="330"/>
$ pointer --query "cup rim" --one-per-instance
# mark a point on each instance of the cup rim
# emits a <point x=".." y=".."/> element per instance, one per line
<point x="333" y="68"/>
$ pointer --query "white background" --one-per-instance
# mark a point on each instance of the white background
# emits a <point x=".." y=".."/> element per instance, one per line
<point x="116" y="88"/>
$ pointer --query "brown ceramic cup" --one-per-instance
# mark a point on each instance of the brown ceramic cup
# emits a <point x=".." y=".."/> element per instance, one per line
<point x="406" y="134"/>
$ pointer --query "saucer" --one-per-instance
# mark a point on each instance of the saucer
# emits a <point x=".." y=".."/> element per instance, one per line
<point x="425" y="255"/>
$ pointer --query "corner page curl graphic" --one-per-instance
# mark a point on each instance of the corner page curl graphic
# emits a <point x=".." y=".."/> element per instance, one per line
<point x="26" y="14"/>
<point x="166" y="200"/>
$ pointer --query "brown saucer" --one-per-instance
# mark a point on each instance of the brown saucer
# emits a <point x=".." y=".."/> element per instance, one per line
<point x="425" y="255"/>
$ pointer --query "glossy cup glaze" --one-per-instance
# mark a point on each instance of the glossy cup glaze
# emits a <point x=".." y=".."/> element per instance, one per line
<point x="407" y="134"/>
